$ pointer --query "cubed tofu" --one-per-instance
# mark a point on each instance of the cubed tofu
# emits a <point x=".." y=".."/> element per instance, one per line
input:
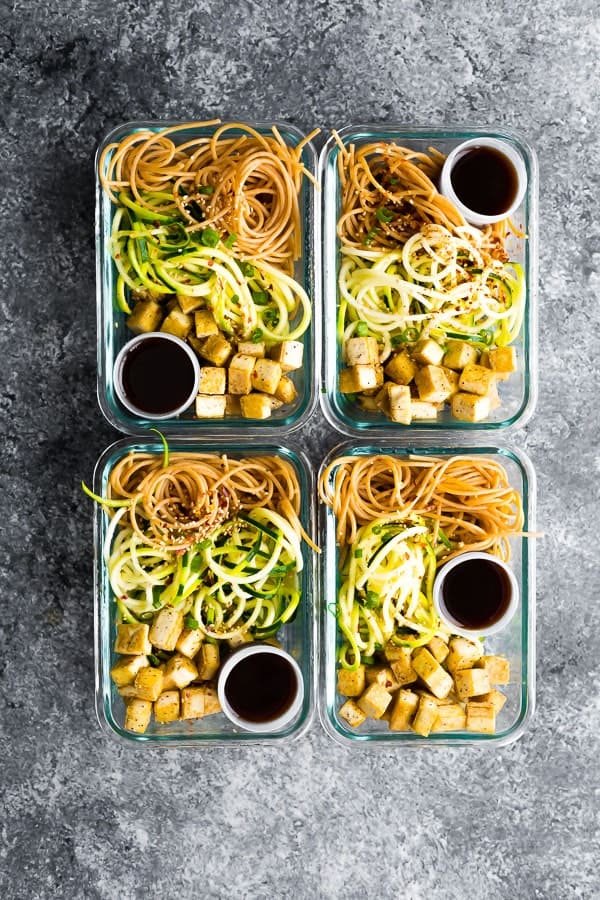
<point x="204" y="324"/>
<point x="216" y="349"/>
<point x="503" y="360"/>
<point x="256" y="406"/>
<point x="240" y="374"/>
<point x="189" y="642"/>
<point x="352" y="713"/>
<point x="286" y="390"/>
<point x="481" y="717"/>
<point x="459" y="354"/>
<point x="365" y="377"/>
<point x="210" y="406"/>
<point x="428" y="352"/>
<point x="188" y="302"/>
<point x="470" y="407"/>
<point x="402" y="667"/>
<point x="213" y="380"/>
<point x="450" y="717"/>
<point x="361" y="351"/>
<point x="148" y="683"/>
<point x="147" y="316"/>
<point x="289" y="355"/>
<point x="196" y="343"/>
<point x="179" y="671"/>
<point x="382" y="675"/>
<point x="497" y="667"/>
<point x="127" y="691"/>
<point x="493" y="396"/>
<point x="438" y="649"/>
<point x="403" y="710"/>
<point x="429" y="670"/>
<point x="192" y="703"/>
<point x="471" y="682"/>
<point x="166" y="628"/>
<point x="452" y="378"/>
<point x="250" y="348"/>
<point x="370" y="392"/>
<point x="166" y="707"/>
<point x="374" y="701"/>
<point x="211" y="700"/>
<point x="496" y="698"/>
<point x="347" y="382"/>
<point x="401" y="368"/>
<point x="463" y="653"/>
<point x="138" y="714"/>
<point x="208" y="661"/>
<point x="476" y="379"/>
<point x="393" y="651"/>
<point x="399" y="403"/>
<point x="177" y="323"/>
<point x="238" y="640"/>
<point x="351" y="684"/>
<point x="133" y="640"/>
<point x="266" y="375"/>
<point x="382" y="398"/>
<point x="422" y="409"/>
<point x="425" y="718"/>
<point x="126" y="668"/>
<point x="432" y="384"/>
<point x="233" y="407"/>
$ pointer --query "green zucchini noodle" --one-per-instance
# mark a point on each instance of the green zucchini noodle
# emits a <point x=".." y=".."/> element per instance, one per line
<point x="234" y="572"/>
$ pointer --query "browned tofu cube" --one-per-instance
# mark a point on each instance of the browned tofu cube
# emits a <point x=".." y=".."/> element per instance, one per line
<point x="422" y="409"/>
<point x="286" y="390"/>
<point x="208" y="661"/>
<point x="481" y="717"/>
<point x="496" y="698"/>
<point x="179" y="671"/>
<point x="452" y="378"/>
<point x="351" y="684"/>
<point x="463" y="653"/>
<point x="471" y="682"/>
<point x="133" y="639"/>
<point x="503" y="361"/>
<point x="204" y="324"/>
<point x="428" y="352"/>
<point x="213" y="380"/>
<point x="382" y="675"/>
<point x="177" y="323"/>
<point x="138" y="714"/>
<point x="166" y="707"/>
<point x="470" y="407"/>
<point x="497" y="667"/>
<point x="361" y="351"/>
<point x="240" y="374"/>
<point x="266" y="375"/>
<point x="147" y="316"/>
<point x="289" y="355"/>
<point x="216" y="349"/>
<point x="256" y="406"/>
<point x="126" y="668"/>
<point x="189" y="641"/>
<point x="210" y="406"/>
<point x="403" y="710"/>
<point x="166" y="628"/>
<point x="401" y="368"/>
<point x="450" y="717"/>
<point x="399" y="403"/>
<point x="188" y="302"/>
<point x="192" y="703"/>
<point x="352" y="713"/>
<point x="233" y="407"/>
<point x="148" y="683"/>
<point x="476" y="379"/>
<point x="432" y="384"/>
<point x="425" y="718"/>
<point x="250" y="348"/>
<point x="429" y="670"/>
<point x="438" y="649"/>
<point x="365" y="377"/>
<point x="402" y="667"/>
<point x="459" y="354"/>
<point x="374" y="701"/>
<point x="211" y="700"/>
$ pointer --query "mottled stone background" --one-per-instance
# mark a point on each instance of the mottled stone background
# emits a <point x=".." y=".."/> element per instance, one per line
<point x="79" y="816"/>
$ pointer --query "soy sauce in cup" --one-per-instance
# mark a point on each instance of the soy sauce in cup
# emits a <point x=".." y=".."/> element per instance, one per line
<point x="485" y="180"/>
<point x="476" y="593"/>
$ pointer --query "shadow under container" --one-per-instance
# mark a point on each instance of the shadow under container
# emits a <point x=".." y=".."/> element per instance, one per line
<point x="518" y="395"/>
<point x="296" y="636"/>
<point x="516" y="642"/>
<point x="112" y="331"/>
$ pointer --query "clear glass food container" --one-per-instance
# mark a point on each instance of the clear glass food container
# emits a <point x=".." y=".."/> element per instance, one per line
<point x="516" y="641"/>
<point x="296" y="636"/>
<point x="519" y="393"/>
<point x="112" y="332"/>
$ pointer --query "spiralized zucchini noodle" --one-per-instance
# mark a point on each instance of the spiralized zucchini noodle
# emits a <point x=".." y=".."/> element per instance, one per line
<point x="217" y="536"/>
<point x="236" y="181"/>
<point x="411" y="266"/>
<point x="397" y="520"/>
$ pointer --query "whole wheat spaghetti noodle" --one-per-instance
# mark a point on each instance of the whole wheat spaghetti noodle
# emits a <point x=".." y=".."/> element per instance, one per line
<point x="246" y="185"/>
<point x="176" y="506"/>
<point x="468" y="497"/>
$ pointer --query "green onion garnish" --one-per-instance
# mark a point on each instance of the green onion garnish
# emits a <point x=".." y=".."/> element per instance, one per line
<point x="256" y="336"/>
<point x="247" y="269"/>
<point x="210" y="237"/>
<point x="362" y="329"/>
<point x="191" y="622"/>
<point x="358" y="553"/>
<point x="384" y="215"/>
<point x="230" y="241"/>
<point x="260" y="297"/>
<point x="206" y="189"/>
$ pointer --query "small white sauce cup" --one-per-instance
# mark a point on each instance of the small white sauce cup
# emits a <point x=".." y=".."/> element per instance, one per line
<point x="118" y="375"/>
<point x="276" y="724"/>
<point x="440" y="606"/>
<point x="475" y="218"/>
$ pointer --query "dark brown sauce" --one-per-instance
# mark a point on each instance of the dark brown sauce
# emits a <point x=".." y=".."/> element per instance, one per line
<point x="158" y="376"/>
<point x="485" y="181"/>
<point x="261" y="687"/>
<point x="476" y="593"/>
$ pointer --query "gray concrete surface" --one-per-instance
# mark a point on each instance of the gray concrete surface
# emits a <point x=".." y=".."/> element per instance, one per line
<point x="79" y="816"/>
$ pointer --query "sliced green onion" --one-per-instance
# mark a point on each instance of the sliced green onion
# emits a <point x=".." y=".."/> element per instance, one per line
<point x="190" y="622"/>
<point x="362" y="329"/>
<point x="209" y="237"/>
<point x="206" y="189"/>
<point x="384" y="215"/>
<point x="257" y="336"/>
<point x="230" y="241"/>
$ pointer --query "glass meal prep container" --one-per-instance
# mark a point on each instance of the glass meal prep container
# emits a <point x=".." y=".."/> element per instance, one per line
<point x="516" y="642"/>
<point x="518" y="393"/>
<point x="112" y="331"/>
<point x="295" y="636"/>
